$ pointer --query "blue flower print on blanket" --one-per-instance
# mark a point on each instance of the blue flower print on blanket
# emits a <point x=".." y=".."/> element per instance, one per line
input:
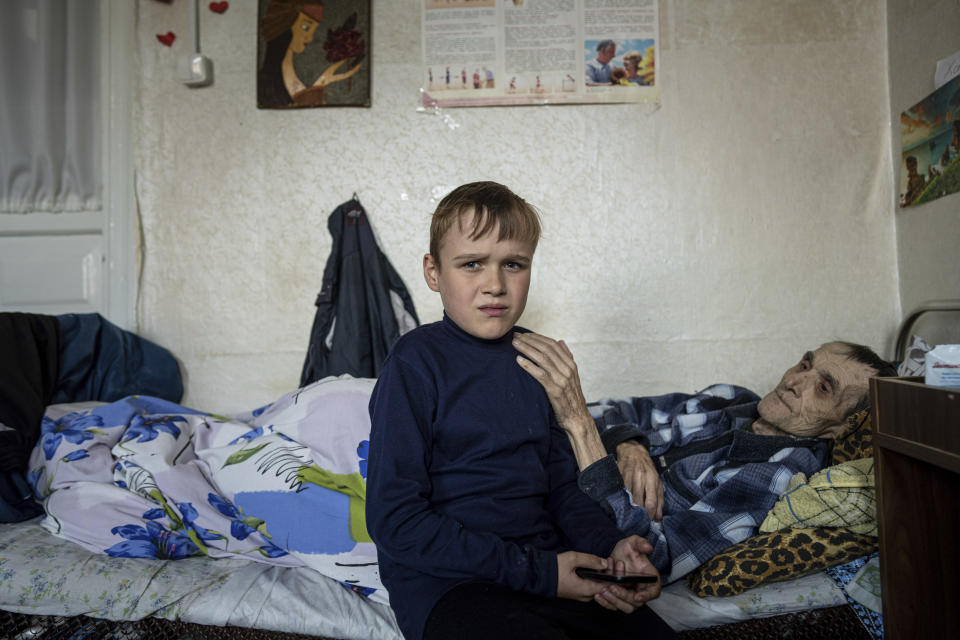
<point x="62" y="440"/>
<point x="145" y="429"/>
<point x="188" y="519"/>
<point x="241" y="527"/>
<point x="284" y="485"/>
<point x="253" y="434"/>
<point x="363" y="452"/>
<point x="151" y="541"/>
<point x="122" y="412"/>
<point x="75" y="428"/>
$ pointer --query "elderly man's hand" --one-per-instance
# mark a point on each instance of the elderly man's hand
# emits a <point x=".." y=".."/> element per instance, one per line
<point x="552" y="364"/>
<point x="641" y="478"/>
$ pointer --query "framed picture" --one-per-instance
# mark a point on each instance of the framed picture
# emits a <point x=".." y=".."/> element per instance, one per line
<point x="313" y="53"/>
<point x="930" y="152"/>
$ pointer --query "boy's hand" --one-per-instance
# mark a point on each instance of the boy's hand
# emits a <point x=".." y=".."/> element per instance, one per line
<point x="552" y="364"/>
<point x="572" y="586"/>
<point x="641" y="478"/>
<point x="607" y="595"/>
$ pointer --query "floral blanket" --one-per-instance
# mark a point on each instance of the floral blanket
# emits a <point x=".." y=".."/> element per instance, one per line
<point x="284" y="485"/>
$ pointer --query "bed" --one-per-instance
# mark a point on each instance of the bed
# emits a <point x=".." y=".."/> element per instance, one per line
<point x="53" y="588"/>
<point x="64" y="588"/>
<point x="47" y="584"/>
<point x="103" y="469"/>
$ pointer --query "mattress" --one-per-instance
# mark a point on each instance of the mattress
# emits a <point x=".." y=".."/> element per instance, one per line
<point x="45" y="575"/>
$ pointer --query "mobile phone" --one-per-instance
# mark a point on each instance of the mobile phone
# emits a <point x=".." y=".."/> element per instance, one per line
<point x="609" y="576"/>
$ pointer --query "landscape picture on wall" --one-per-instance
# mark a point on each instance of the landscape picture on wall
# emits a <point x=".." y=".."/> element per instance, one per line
<point x="313" y="54"/>
<point x="930" y="136"/>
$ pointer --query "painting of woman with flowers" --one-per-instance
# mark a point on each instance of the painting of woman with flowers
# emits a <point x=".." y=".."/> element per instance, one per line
<point x="313" y="54"/>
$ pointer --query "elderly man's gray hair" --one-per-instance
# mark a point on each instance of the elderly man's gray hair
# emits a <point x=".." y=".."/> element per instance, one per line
<point x="866" y="355"/>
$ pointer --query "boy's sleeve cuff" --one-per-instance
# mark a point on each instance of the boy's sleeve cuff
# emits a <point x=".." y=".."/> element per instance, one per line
<point x="543" y="582"/>
<point x="619" y="433"/>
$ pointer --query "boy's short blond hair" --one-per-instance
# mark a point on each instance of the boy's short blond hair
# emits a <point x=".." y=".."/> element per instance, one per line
<point x="495" y="205"/>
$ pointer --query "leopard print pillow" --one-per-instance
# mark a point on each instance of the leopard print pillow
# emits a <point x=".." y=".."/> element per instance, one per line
<point x="777" y="556"/>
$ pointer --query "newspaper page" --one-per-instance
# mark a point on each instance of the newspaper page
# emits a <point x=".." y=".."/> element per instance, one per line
<point x="513" y="52"/>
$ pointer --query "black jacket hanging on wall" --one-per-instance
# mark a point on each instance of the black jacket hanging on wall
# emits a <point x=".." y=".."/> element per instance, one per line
<point x="363" y="305"/>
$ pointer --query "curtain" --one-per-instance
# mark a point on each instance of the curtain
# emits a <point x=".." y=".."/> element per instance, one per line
<point x="50" y="106"/>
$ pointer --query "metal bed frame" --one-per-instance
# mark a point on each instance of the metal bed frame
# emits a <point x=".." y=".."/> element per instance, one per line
<point x="932" y="306"/>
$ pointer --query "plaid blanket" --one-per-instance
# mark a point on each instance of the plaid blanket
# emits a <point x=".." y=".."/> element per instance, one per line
<point x="720" y="479"/>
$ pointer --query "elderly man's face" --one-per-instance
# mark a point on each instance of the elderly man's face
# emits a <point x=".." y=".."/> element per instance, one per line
<point x="815" y="394"/>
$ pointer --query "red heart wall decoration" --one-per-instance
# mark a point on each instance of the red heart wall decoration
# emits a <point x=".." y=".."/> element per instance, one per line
<point x="166" y="38"/>
<point x="219" y="7"/>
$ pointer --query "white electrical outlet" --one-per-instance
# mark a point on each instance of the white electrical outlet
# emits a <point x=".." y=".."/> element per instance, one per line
<point x="195" y="70"/>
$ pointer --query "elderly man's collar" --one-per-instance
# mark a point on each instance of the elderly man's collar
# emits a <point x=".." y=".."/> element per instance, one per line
<point x="748" y="446"/>
<point x="761" y="427"/>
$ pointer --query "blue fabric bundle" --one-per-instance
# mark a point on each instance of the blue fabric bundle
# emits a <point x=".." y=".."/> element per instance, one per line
<point x="69" y="358"/>
<point x="101" y="361"/>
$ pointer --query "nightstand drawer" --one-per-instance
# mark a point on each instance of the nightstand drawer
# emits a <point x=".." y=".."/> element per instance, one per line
<point x="917" y="420"/>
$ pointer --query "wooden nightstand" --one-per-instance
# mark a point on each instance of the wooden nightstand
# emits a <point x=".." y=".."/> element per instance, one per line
<point x="916" y="445"/>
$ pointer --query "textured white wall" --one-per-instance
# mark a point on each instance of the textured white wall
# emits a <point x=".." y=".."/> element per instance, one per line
<point x="712" y="238"/>
<point x="928" y="236"/>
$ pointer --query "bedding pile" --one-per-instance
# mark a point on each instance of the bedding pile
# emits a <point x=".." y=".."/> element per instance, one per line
<point x="141" y="482"/>
<point x="284" y="485"/>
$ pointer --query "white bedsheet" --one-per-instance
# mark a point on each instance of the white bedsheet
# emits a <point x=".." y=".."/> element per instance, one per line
<point x="42" y="574"/>
<point x="681" y="609"/>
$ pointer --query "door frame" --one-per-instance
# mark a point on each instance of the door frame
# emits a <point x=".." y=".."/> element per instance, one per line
<point x="116" y="222"/>
<point x="120" y="214"/>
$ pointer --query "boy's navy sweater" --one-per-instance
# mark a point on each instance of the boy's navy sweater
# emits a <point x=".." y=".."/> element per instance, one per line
<point x="470" y="477"/>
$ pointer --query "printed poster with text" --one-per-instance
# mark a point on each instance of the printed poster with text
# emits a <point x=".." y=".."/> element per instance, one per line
<point x="513" y="52"/>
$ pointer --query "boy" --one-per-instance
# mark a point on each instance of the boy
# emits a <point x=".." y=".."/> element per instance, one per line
<point x="472" y="494"/>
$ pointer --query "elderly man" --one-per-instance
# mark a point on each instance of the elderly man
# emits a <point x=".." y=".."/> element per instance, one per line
<point x="695" y="474"/>
<point x="598" y="70"/>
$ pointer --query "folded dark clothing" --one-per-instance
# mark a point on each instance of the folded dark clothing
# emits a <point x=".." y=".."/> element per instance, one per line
<point x="101" y="361"/>
<point x="29" y="367"/>
<point x="71" y="358"/>
<point x="16" y="498"/>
